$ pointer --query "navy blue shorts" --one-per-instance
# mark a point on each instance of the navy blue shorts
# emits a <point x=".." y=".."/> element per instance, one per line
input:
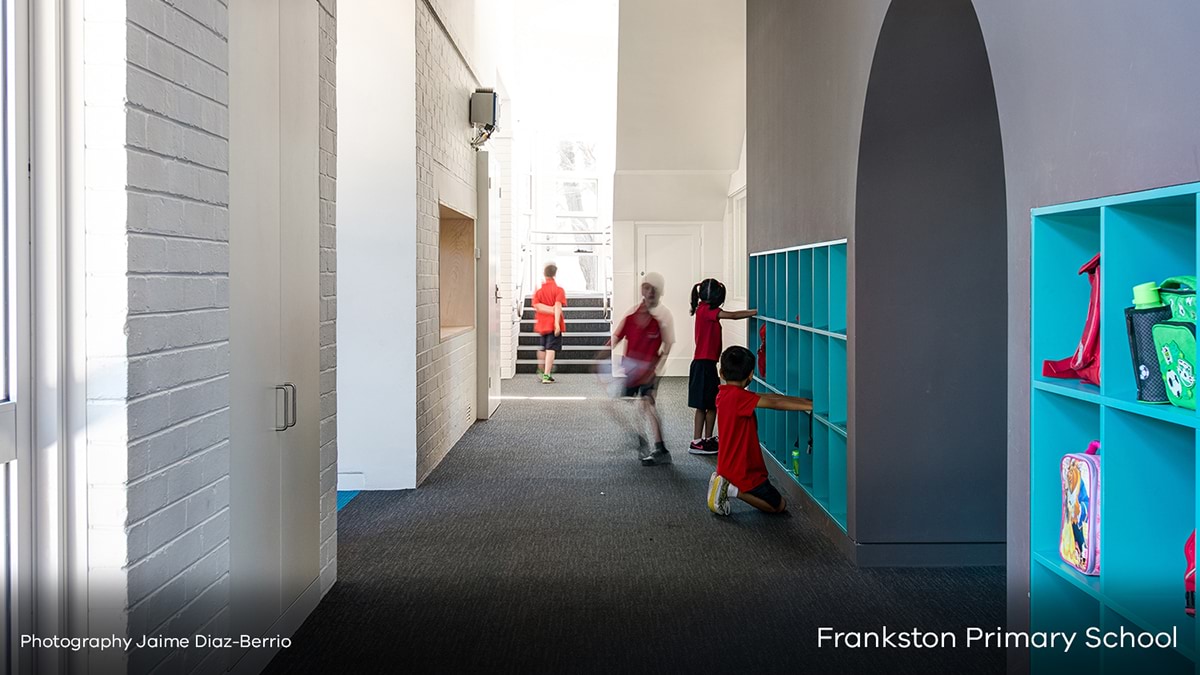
<point x="552" y="342"/>
<point x="703" y="382"/>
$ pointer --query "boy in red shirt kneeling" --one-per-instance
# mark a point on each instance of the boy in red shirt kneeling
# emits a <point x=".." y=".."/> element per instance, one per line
<point x="741" y="472"/>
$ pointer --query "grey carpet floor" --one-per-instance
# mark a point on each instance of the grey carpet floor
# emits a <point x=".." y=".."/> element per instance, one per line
<point x="541" y="545"/>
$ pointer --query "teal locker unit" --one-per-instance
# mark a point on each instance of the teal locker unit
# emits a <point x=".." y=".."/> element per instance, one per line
<point x="1148" y="452"/>
<point x="800" y="295"/>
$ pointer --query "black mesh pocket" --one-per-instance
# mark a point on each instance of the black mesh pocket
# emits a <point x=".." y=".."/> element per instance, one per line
<point x="1140" y="324"/>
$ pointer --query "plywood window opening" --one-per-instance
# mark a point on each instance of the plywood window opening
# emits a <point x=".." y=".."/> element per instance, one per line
<point x="456" y="272"/>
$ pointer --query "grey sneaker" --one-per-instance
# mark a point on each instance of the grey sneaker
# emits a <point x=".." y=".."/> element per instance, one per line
<point x="641" y="446"/>
<point x="660" y="456"/>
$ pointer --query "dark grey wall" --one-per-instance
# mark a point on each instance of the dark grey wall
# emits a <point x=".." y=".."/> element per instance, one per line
<point x="929" y="352"/>
<point x="1095" y="97"/>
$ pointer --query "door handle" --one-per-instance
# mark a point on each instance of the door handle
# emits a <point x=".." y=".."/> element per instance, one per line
<point x="283" y="388"/>
<point x="288" y="425"/>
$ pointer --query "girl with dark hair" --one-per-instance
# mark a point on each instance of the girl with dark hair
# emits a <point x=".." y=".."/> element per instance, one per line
<point x="703" y="381"/>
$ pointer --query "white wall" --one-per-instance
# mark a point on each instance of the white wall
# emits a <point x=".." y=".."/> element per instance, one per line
<point x="734" y="331"/>
<point x="681" y="120"/>
<point x="377" y="242"/>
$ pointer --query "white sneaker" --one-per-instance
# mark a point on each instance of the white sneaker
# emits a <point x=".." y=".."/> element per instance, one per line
<point x="718" y="495"/>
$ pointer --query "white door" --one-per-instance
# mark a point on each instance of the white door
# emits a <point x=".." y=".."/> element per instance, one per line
<point x="254" y="297"/>
<point x="487" y="292"/>
<point x="674" y="252"/>
<point x="300" y="321"/>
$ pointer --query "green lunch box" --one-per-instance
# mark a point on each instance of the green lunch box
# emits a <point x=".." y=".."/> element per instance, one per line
<point x="1179" y="293"/>
<point x="1175" y="342"/>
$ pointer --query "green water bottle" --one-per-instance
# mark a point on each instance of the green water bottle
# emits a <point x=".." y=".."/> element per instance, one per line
<point x="796" y="462"/>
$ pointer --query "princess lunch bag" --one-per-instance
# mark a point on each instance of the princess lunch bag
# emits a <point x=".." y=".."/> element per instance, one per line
<point x="1079" y="541"/>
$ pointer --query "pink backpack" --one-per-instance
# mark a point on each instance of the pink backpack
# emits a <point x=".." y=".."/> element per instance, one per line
<point x="1079" y="539"/>
<point x="1084" y="364"/>
<point x="1189" y="575"/>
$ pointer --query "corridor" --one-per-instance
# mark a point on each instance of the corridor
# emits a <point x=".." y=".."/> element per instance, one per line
<point x="541" y="545"/>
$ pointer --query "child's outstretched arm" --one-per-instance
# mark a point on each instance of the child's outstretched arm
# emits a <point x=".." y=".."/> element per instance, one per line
<point x="739" y="314"/>
<point x="780" y="402"/>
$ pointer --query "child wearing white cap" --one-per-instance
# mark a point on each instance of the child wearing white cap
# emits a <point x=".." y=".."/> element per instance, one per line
<point x="648" y="333"/>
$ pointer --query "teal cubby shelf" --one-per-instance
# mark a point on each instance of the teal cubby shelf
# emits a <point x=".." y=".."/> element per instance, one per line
<point x="800" y="295"/>
<point x="1148" y="452"/>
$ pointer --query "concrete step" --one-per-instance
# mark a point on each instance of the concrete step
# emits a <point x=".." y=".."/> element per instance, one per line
<point x="575" y="326"/>
<point x="575" y="301"/>
<point x="569" y="313"/>
<point x="569" y="338"/>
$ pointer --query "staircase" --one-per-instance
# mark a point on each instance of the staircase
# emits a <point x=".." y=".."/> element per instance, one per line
<point x="588" y="328"/>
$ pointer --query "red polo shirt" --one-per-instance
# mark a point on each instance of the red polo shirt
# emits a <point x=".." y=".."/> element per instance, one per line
<point x="740" y="460"/>
<point x="548" y="294"/>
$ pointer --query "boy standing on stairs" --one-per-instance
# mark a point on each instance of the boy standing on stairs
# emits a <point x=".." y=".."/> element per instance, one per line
<point x="548" y="303"/>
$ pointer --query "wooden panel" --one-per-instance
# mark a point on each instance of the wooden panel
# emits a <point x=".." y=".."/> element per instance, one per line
<point x="456" y="275"/>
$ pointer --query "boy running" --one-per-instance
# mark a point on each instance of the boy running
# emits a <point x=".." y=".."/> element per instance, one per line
<point x="741" y="472"/>
<point x="548" y="302"/>
<point x="649" y="334"/>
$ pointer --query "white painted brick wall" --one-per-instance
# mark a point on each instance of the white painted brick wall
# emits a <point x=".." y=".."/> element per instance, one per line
<point x="156" y="186"/>
<point x="176" y="127"/>
<point x="445" y="370"/>
<point x="328" y="383"/>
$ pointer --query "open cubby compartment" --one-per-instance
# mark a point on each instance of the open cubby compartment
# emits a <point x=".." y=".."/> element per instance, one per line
<point x="800" y="380"/>
<point x="820" y="463"/>
<point x="1143" y="241"/>
<point x="836" y="504"/>
<point x="777" y="356"/>
<point x="780" y="288"/>
<point x="800" y="422"/>
<point x="752" y="325"/>
<point x="1059" y="425"/>
<point x="1062" y="243"/>
<point x="768" y="286"/>
<point x="1127" y="659"/>
<point x="1057" y="605"/>
<point x="1149" y="510"/>
<point x="779" y="443"/>
<point x="837" y="382"/>
<point x="794" y="442"/>
<point x="763" y="283"/>
<point x="820" y="363"/>
<point x="821" y="287"/>
<point x="837" y="288"/>
<point x="804" y="287"/>
<point x="793" y="288"/>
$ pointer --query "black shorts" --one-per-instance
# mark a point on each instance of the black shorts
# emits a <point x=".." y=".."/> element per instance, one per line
<point x="767" y="493"/>
<point x="641" y="390"/>
<point x="552" y="342"/>
<point x="702" y="385"/>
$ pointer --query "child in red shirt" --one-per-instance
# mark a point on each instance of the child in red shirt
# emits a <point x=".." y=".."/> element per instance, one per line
<point x="648" y="334"/>
<point x="741" y="472"/>
<point x="548" y="302"/>
<point x="707" y="298"/>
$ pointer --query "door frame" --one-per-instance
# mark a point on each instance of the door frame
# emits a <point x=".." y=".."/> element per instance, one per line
<point x="487" y="297"/>
<point x="677" y="362"/>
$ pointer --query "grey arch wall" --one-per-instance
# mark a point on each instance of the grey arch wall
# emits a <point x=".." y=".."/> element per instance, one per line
<point x="1093" y="98"/>
<point x="929" y="336"/>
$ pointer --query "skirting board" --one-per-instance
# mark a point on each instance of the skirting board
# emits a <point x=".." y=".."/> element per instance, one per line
<point x="985" y="554"/>
<point x="255" y="661"/>
<point x="351" y="482"/>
